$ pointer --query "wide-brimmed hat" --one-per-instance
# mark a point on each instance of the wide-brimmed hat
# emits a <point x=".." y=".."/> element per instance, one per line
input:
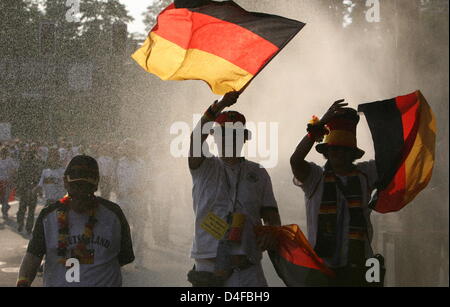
<point x="342" y="133"/>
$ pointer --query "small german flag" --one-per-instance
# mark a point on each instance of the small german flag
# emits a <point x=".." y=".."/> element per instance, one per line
<point x="295" y="260"/>
<point x="404" y="136"/>
<point x="217" y="42"/>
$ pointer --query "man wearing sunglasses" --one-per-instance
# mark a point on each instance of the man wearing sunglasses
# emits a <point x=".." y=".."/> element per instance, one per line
<point x="231" y="196"/>
<point x="337" y="196"/>
<point x="80" y="228"/>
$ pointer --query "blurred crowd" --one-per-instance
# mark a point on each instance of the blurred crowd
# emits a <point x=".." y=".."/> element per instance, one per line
<point x="33" y="171"/>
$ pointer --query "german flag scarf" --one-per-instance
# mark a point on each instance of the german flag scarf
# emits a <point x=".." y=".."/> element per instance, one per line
<point x="328" y="233"/>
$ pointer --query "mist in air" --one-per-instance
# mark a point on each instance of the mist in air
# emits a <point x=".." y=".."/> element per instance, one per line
<point x="337" y="55"/>
<point x="74" y="88"/>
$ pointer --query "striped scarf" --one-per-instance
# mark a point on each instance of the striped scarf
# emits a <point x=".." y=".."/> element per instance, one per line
<point x="326" y="245"/>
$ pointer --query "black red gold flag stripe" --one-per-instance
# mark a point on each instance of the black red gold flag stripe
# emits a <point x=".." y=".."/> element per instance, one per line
<point x="218" y="42"/>
<point x="295" y="259"/>
<point x="404" y="136"/>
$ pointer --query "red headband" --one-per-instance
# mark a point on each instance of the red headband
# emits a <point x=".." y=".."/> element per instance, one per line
<point x="230" y="117"/>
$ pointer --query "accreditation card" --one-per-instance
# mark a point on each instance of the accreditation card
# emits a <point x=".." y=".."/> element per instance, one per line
<point x="214" y="225"/>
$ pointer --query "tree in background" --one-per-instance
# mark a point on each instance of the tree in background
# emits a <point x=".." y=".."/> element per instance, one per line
<point x="17" y="17"/>
<point x="92" y="33"/>
<point x="97" y="20"/>
<point x="67" y="33"/>
<point x="20" y="23"/>
<point x="153" y="11"/>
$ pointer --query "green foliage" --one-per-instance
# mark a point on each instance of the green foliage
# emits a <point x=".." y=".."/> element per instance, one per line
<point x="17" y="17"/>
<point x="153" y="11"/>
<point x="20" y="23"/>
<point x="96" y="23"/>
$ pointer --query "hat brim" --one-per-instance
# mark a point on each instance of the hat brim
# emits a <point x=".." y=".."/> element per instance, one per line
<point x="323" y="148"/>
<point x="90" y="180"/>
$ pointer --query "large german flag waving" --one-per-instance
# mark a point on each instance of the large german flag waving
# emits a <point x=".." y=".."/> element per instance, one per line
<point x="218" y="42"/>
<point x="404" y="136"/>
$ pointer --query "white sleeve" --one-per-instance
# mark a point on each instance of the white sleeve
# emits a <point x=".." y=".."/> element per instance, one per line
<point x="268" y="196"/>
<point x="204" y="167"/>
<point x="315" y="174"/>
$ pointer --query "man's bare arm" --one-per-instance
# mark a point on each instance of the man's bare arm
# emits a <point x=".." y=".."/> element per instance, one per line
<point x="271" y="217"/>
<point x="29" y="266"/>
<point x="300" y="167"/>
<point x="228" y="100"/>
<point x="196" y="162"/>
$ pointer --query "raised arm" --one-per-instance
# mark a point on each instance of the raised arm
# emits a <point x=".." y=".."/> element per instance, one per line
<point x="300" y="167"/>
<point x="196" y="157"/>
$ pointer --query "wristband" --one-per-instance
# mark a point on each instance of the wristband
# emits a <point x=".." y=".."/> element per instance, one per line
<point x="316" y="130"/>
<point x="210" y="114"/>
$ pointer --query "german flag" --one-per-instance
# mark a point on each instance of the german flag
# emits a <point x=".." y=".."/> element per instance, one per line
<point x="404" y="136"/>
<point x="218" y="42"/>
<point x="295" y="260"/>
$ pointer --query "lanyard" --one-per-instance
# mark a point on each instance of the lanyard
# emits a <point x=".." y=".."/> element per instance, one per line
<point x="235" y="199"/>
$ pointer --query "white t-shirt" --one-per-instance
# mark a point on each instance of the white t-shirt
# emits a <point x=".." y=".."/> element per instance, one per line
<point x="214" y="190"/>
<point x="314" y="185"/>
<point x="7" y="168"/>
<point x="43" y="153"/>
<point x="70" y="154"/>
<point x="52" y="182"/>
<point x="62" y="153"/>
<point x="106" y="166"/>
<point x="111" y="244"/>
<point x="75" y="151"/>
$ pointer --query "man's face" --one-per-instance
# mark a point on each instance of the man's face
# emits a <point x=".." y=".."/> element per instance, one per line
<point x="340" y="156"/>
<point x="229" y="141"/>
<point x="80" y="190"/>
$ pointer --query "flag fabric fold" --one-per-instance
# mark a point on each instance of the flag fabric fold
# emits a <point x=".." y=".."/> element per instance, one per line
<point x="217" y="42"/>
<point x="295" y="259"/>
<point x="404" y="136"/>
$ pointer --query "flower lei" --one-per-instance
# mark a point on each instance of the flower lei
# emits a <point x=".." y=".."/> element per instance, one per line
<point x="316" y="131"/>
<point x="63" y="232"/>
